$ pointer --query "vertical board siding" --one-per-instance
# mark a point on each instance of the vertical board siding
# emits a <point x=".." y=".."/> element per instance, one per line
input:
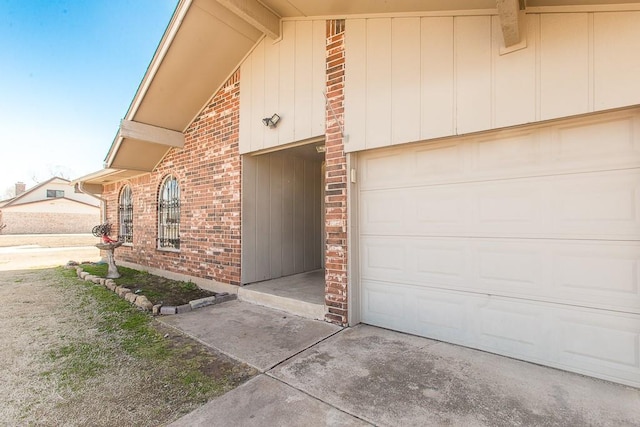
<point x="257" y="92"/>
<point x="281" y="216"/>
<point x="319" y="76"/>
<point x="437" y="82"/>
<point x="287" y="78"/>
<point x="564" y="63"/>
<point x="473" y="73"/>
<point x="271" y="90"/>
<point x="249" y="213"/>
<point x="286" y="96"/>
<point x="356" y="91"/>
<point x="263" y="218"/>
<point x="303" y="80"/>
<point x="405" y="64"/>
<point x="288" y="200"/>
<point x="416" y="78"/>
<point x="616" y="84"/>
<point x="514" y="79"/>
<point x="378" y="48"/>
<point x="276" y="185"/>
<point x="298" y="215"/>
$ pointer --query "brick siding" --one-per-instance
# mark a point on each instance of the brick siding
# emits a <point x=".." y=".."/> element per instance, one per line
<point x="336" y="179"/>
<point x="208" y="170"/>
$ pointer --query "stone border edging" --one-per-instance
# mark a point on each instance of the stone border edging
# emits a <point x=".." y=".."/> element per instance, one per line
<point x="143" y="303"/>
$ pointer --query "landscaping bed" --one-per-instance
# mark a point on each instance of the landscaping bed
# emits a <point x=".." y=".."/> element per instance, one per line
<point x="159" y="290"/>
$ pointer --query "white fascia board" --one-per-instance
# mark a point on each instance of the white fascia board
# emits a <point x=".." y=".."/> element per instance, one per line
<point x="172" y="29"/>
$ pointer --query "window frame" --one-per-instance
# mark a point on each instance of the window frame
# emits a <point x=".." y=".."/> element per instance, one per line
<point x="125" y="215"/>
<point x="168" y="209"/>
<point x="55" y="194"/>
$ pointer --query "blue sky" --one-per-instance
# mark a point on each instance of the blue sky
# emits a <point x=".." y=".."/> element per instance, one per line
<point x="68" y="72"/>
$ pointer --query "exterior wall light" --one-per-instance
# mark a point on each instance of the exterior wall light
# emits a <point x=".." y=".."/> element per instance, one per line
<point x="271" y="121"/>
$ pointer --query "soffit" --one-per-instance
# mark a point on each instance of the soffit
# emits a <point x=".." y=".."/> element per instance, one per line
<point x="308" y="8"/>
<point x="208" y="46"/>
<point x="94" y="181"/>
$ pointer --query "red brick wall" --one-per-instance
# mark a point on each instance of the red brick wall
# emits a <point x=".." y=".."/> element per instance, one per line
<point x="336" y="179"/>
<point x="208" y="170"/>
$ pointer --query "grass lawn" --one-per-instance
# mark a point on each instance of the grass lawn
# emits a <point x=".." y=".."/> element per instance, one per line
<point x="80" y="355"/>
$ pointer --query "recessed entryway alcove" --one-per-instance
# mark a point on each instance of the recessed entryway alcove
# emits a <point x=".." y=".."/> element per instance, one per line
<point x="282" y="225"/>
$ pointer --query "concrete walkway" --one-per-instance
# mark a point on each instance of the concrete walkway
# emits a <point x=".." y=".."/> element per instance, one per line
<point x="316" y="374"/>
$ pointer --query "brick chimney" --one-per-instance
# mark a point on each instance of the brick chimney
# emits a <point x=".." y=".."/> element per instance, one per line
<point x="21" y="187"/>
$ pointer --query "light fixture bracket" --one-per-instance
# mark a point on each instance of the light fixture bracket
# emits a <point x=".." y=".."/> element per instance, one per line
<point x="271" y="121"/>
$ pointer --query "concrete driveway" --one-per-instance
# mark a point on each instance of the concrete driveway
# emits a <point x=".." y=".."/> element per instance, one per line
<point x="315" y="374"/>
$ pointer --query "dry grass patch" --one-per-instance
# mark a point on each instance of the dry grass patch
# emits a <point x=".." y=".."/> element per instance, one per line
<point x="77" y="354"/>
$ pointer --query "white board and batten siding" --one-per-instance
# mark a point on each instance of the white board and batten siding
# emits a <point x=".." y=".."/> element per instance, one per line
<point x="288" y="78"/>
<point x="417" y="78"/>
<point x="522" y="242"/>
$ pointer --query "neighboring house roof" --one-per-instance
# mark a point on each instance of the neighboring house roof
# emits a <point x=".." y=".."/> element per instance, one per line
<point x="24" y="197"/>
<point x="49" y="201"/>
<point x="180" y="80"/>
<point x="5" y="202"/>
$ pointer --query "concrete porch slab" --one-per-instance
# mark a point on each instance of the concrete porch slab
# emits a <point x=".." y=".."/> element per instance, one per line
<point x="258" y="336"/>
<point x="264" y="401"/>
<point x="300" y="294"/>
<point x="390" y="378"/>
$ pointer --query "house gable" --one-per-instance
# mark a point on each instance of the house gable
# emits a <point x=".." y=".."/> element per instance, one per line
<point x="52" y="188"/>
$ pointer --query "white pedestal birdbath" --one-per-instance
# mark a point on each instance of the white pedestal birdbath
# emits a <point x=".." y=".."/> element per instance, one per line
<point x="112" y="273"/>
<point x="108" y="245"/>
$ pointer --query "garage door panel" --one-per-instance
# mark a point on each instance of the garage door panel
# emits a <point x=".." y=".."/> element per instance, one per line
<point x="377" y="211"/>
<point x="610" y="139"/>
<point x="442" y="313"/>
<point x="510" y="267"/>
<point x="584" y="273"/>
<point x="439" y="262"/>
<point x="601" y="205"/>
<point x="589" y="341"/>
<point x="516" y="152"/>
<point x="512" y="326"/>
<point x="388" y="307"/>
<point x="606" y="201"/>
<point x="438" y="162"/>
<point x="604" y="344"/>
<point x="598" y="271"/>
<point x="573" y="146"/>
<point x="617" y="346"/>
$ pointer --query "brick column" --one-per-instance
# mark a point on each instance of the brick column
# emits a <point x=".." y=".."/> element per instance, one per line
<point x="336" y="180"/>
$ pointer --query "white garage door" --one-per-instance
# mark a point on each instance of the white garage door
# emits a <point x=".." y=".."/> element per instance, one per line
<point x="524" y="243"/>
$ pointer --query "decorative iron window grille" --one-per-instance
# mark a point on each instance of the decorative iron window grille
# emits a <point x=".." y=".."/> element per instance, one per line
<point x="169" y="214"/>
<point x="125" y="215"/>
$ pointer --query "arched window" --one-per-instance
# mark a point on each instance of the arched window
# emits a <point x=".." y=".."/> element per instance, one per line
<point x="169" y="214"/>
<point x="125" y="215"/>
